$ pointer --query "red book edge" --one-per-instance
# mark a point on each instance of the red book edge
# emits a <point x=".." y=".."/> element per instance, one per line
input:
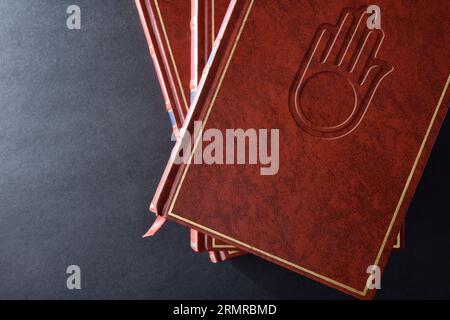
<point x="155" y="53"/>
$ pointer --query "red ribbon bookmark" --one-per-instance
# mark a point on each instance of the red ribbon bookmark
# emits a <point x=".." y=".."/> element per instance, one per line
<point x="159" y="222"/>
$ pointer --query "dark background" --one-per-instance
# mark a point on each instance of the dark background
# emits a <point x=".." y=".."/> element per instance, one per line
<point x="84" y="138"/>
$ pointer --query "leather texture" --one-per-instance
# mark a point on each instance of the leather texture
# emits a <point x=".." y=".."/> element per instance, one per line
<point x="357" y="114"/>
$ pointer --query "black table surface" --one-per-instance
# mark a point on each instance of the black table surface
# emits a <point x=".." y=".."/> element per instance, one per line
<point x="84" y="138"/>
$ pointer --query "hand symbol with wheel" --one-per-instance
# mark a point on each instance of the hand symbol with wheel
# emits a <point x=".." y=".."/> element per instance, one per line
<point x="339" y="76"/>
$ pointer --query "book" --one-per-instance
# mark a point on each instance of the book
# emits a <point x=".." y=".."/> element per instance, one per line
<point x="211" y="13"/>
<point x="170" y="51"/>
<point x="205" y="15"/>
<point x="353" y="98"/>
<point x="167" y="25"/>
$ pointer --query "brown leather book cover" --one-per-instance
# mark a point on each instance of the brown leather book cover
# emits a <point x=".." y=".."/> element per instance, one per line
<point x="357" y="94"/>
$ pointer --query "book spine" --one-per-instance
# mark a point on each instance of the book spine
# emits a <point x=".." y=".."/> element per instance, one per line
<point x="140" y="5"/>
<point x="214" y="257"/>
<point x="162" y="48"/>
<point x="197" y="241"/>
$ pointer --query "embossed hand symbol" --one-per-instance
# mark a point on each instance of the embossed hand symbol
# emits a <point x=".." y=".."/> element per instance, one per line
<point x="339" y="76"/>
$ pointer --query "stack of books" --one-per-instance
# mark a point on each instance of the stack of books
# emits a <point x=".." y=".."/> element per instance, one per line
<point x="302" y="128"/>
